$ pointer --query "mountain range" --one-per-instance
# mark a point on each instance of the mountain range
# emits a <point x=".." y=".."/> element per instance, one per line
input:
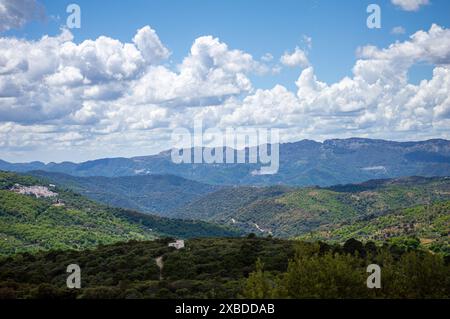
<point x="329" y="191"/>
<point x="303" y="163"/>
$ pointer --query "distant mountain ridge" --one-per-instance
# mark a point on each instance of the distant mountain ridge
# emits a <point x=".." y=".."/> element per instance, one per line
<point x="303" y="163"/>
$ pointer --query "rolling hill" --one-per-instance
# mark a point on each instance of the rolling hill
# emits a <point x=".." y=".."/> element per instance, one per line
<point x="35" y="215"/>
<point x="222" y="204"/>
<point x="157" y="194"/>
<point x="292" y="212"/>
<point x="428" y="225"/>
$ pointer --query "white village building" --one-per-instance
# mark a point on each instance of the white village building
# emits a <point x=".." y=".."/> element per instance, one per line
<point x="178" y="244"/>
<point x="36" y="190"/>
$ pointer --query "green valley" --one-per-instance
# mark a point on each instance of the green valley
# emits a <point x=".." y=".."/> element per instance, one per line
<point x="70" y="221"/>
<point x="289" y="212"/>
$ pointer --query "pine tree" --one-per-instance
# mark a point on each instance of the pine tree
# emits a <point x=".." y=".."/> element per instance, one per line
<point x="258" y="284"/>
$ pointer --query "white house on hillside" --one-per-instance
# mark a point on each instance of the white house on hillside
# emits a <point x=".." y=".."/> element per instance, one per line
<point x="178" y="244"/>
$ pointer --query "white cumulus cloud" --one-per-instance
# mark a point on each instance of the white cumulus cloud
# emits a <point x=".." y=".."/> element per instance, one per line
<point x="105" y="97"/>
<point x="410" y="5"/>
<point x="296" y="58"/>
<point x="208" y="75"/>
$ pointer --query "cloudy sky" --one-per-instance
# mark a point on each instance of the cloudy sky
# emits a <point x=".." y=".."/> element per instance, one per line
<point x="136" y="70"/>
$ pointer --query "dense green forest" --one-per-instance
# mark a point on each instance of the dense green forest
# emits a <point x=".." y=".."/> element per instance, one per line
<point x="322" y="271"/>
<point x="70" y="221"/>
<point x="250" y="267"/>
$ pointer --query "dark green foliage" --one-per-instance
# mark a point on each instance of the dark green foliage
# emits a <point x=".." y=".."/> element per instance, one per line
<point x="353" y="246"/>
<point x="259" y="284"/>
<point x="206" y="268"/>
<point x="337" y="273"/>
<point x="213" y="268"/>
<point x="8" y="180"/>
<point x="176" y="227"/>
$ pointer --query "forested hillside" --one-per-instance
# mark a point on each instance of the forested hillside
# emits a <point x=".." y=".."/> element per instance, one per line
<point x="156" y="194"/>
<point x="249" y="267"/>
<point x="426" y="225"/>
<point x="225" y="203"/>
<point x="292" y="212"/>
<point x="70" y="221"/>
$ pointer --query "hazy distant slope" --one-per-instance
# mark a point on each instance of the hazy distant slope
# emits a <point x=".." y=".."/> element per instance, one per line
<point x="303" y="163"/>
<point x="156" y="194"/>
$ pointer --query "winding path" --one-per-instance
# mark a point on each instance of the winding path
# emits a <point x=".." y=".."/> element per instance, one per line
<point x="160" y="264"/>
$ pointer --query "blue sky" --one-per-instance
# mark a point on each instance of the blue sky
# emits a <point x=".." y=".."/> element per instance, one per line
<point x="136" y="70"/>
<point x="337" y="27"/>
